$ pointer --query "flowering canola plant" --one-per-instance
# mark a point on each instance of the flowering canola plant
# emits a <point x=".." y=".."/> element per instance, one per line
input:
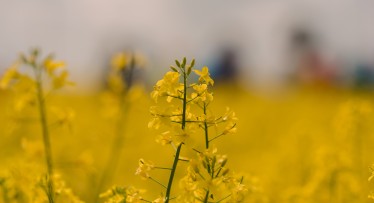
<point x="179" y="119"/>
<point x="31" y="92"/>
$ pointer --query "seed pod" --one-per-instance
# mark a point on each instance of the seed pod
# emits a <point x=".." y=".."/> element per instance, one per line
<point x="214" y="161"/>
<point x="173" y="68"/>
<point x="189" y="70"/>
<point x="195" y="167"/>
<point x="192" y="63"/>
<point x="223" y="161"/>
<point x="225" y="171"/>
<point x="178" y="63"/>
<point x="184" y="62"/>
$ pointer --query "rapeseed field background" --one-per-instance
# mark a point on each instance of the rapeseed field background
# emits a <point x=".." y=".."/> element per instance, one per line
<point x="310" y="144"/>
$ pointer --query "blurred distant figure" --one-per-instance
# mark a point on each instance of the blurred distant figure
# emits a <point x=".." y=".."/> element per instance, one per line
<point x="127" y="69"/>
<point x="310" y="65"/>
<point x="364" y="75"/>
<point x="225" y="69"/>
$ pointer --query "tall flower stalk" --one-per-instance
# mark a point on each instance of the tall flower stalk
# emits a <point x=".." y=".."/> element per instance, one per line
<point x="31" y="90"/>
<point x="120" y="82"/>
<point x="45" y="131"/>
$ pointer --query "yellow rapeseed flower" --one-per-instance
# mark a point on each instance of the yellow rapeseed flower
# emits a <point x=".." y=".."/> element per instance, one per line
<point x="144" y="169"/>
<point x="11" y="74"/>
<point x="61" y="80"/>
<point x="204" y="75"/>
<point x="51" y="65"/>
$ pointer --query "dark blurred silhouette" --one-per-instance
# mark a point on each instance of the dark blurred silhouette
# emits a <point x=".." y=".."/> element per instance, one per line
<point x="364" y="75"/>
<point x="225" y="69"/>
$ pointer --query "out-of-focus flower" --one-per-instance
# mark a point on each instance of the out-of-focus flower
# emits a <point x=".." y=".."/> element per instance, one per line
<point x="144" y="168"/>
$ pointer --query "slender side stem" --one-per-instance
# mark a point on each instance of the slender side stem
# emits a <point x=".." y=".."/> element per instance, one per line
<point x="201" y="175"/>
<point x="176" y="158"/>
<point x="162" y="168"/>
<point x="206" y="129"/>
<point x="158" y="182"/>
<point x="45" y="132"/>
<point x="223" y="198"/>
<point x="222" y="133"/>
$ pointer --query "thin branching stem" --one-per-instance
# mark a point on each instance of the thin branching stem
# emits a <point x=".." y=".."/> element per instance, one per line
<point x="156" y="181"/>
<point x="206" y="128"/>
<point x="163" y="168"/>
<point x="201" y="175"/>
<point x="173" y="96"/>
<point x="222" y="133"/>
<point x="223" y="198"/>
<point x="45" y="132"/>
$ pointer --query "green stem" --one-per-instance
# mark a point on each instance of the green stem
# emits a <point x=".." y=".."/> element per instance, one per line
<point x="158" y="182"/>
<point x="45" y="132"/>
<point x="223" y="198"/>
<point x="163" y="168"/>
<point x="206" y="197"/>
<point x="222" y="133"/>
<point x="206" y="129"/>
<point x="176" y="158"/>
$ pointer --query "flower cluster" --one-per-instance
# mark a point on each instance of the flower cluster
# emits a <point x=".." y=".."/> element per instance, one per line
<point x="184" y="118"/>
<point x="17" y="185"/>
<point x="208" y="179"/>
<point x="123" y="195"/>
<point x="121" y="74"/>
<point x="120" y="87"/>
<point x="26" y="85"/>
<point x="193" y="96"/>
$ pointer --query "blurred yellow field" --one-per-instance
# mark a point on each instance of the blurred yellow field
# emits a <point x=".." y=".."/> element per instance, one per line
<point x="307" y="145"/>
